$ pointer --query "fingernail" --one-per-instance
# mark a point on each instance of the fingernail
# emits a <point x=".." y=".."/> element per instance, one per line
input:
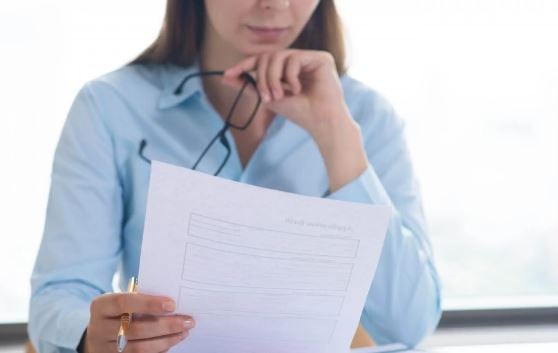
<point x="265" y="97"/>
<point x="276" y="93"/>
<point x="188" y="323"/>
<point x="168" y="306"/>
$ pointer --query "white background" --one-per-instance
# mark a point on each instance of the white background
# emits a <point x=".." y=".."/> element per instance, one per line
<point x="477" y="82"/>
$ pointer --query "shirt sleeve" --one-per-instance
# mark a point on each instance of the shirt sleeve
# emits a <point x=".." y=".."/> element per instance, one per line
<point x="404" y="302"/>
<point x="80" y="247"/>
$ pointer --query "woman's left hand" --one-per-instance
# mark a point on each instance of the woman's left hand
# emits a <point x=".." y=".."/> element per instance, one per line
<point x="301" y="85"/>
<point x="304" y="87"/>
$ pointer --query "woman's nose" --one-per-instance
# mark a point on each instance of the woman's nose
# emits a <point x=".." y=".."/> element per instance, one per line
<point x="275" y="4"/>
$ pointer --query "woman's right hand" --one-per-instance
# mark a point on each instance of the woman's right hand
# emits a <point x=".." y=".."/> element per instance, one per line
<point x="152" y="328"/>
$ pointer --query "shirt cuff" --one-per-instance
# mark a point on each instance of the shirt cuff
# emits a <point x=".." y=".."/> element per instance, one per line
<point x="74" y="326"/>
<point x="366" y="188"/>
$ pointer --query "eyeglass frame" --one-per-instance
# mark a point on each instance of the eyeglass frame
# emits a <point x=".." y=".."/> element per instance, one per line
<point x="221" y="135"/>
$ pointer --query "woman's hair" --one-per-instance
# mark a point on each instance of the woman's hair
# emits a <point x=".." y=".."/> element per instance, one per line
<point x="181" y="35"/>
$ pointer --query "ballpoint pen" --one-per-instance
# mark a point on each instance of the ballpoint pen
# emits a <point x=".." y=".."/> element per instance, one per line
<point x="125" y="320"/>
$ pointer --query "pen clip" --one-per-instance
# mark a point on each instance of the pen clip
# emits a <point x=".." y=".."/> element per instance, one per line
<point x="132" y="284"/>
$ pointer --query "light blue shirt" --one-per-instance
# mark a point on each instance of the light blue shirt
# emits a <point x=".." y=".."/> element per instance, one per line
<point x="97" y="200"/>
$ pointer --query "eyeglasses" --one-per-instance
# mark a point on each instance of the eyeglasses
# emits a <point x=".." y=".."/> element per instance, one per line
<point x="229" y="121"/>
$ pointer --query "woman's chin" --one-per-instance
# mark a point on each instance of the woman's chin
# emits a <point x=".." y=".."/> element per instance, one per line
<point x="254" y="48"/>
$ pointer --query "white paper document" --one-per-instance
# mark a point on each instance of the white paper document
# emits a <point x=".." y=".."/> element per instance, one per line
<point x="259" y="270"/>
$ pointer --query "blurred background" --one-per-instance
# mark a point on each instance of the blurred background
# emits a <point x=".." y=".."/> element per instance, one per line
<point x="476" y="81"/>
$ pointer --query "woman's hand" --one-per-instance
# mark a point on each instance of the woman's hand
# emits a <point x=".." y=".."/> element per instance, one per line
<point x="304" y="87"/>
<point x="149" y="330"/>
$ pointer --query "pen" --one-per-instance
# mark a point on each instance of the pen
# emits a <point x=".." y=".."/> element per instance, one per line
<point x="125" y="320"/>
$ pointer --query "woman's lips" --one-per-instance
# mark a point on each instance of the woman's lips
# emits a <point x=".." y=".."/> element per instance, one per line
<point x="266" y="33"/>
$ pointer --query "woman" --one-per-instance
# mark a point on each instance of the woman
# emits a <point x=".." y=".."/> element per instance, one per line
<point x="317" y="129"/>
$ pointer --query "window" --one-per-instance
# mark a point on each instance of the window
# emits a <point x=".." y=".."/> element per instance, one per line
<point x="49" y="50"/>
<point x="476" y="81"/>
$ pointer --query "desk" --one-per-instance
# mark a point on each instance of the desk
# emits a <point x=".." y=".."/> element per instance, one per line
<point x="494" y="348"/>
<point x="500" y="348"/>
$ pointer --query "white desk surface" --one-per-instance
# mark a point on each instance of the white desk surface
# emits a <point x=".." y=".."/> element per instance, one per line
<point x="520" y="339"/>
<point x="493" y="348"/>
<point x="501" y="348"/>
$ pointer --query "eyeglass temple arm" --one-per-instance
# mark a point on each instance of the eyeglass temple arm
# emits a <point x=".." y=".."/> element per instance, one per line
<point x="178" y="89"/>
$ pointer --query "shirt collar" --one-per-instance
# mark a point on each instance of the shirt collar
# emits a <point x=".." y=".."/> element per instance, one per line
<point x="172" y="77"/>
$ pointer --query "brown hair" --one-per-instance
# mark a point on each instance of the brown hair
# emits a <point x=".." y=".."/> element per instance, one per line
<point x="181" y="35"/>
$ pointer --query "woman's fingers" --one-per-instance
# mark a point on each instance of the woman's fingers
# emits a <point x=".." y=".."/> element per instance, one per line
<point x="159" y="326"/>
<point x="151" y="329"/>
<point x="116" y="304"/>
<point x="245" y="65"/>
<point x="292" y="72"/>
<point x="263" y="87"/>
<point x="275" y="73"/>
<point x="146" y="326"/>
<point x="158" y="344"/>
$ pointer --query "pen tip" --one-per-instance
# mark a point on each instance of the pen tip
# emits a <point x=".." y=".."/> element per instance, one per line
<point x="121" y="343"/>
